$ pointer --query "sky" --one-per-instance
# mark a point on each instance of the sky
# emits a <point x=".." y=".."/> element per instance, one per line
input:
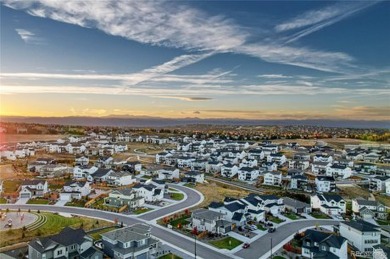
<point x="204" y="59"/>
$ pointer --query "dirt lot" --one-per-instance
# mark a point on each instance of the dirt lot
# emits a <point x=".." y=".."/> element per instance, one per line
<point x="213" y="192"/>
<point x="353" y="192"/>
<point x="7" y="172"/>
<point x="15" y="138"/>
<point x="335" y="142"/>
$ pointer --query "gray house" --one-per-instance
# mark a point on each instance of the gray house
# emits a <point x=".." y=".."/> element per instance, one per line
<point x="130" y="242"/>
<point x="69" y="243"/>
<point x="296" y="206"/>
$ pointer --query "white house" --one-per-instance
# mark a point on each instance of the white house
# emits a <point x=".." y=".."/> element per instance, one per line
<point x="378" y="183"/>
<point x="268" y="203"/>
<point x="75" y="190"/>
<point x="213" y="167"/>
<point x="278" y="158"/>
<point x="168" y="174"/>
<point x="361" y="234"/>
<point x="81" y="160"/>
<point x="126" y="196"/>
<point x="328" y="204"/>
<point x="248" y="174"/>
<point x="196" y="176"/>
<point x="325" y="184"/>
<point x="83" y="172"/>
<point x="120" y="178"/>
<point x="33" y="188"/>
<point x="339" y="171"/>
<point x="229" y="170"/>
<point x="319" y="168"/>
<point x="273" y="178"/>
<point x="149" y="192"/>
<point x="298" y="182"/>
<point x="377" y="209"/>
<point x="322" y="158"/>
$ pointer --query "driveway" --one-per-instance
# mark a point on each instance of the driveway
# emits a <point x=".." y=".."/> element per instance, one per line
<point x="22" y="201"/>
<point x="60" y="203"/>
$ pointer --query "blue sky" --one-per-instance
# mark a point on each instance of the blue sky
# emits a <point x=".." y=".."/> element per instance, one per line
<point x="206" y="59"/>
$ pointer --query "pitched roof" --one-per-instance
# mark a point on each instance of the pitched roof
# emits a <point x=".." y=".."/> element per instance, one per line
<point x="362" y="226"/>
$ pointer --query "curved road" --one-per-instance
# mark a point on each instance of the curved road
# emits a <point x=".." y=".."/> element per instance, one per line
<point x="193" y="198"/>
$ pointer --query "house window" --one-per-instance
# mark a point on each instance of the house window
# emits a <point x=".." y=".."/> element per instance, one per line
<point x="59" y="252"/>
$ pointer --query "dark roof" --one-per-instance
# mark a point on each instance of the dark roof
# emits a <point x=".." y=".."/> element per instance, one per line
<point x="362" y="225"/>
<point x="325" y="178"/>
<point x="33" y="182"/>
<point x="229" y="199"/>
<point x="321" y="237"/>
<point x="334" y="197"/>
<point x="237" y="216"/>
<point x="216" y="205"/>
<point x="100" y="173"/>
<point x="69" y="236"/>
<point x="235" y="206"/>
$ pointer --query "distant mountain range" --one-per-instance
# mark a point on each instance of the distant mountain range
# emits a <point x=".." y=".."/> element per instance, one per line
<point x="145" y="121"/>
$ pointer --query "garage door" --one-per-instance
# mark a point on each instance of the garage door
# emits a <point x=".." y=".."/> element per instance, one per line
<point x="24" y="195"/>
<point x="142" y="256"/>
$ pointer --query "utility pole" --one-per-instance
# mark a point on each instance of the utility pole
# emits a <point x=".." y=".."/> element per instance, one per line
<point x="195" y="245"/>
<point x="271" y="248"/>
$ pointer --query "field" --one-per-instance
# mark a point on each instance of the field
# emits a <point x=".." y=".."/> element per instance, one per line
<point x="353" y="192"/>
<point x="38" y="201"/>
<point x="10" y="186"/>
<point x="54" y="224"/>
<point x="214" y="192"/>
<point x="16" y="138"/>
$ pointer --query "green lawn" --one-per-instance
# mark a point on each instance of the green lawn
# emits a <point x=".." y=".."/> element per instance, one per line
<point x="278" y="257"/>
<point x="260" y="227"/>
<point x="38" y="201"/>
<point x="141" y="210"/>
<point x="226" y="243"/>
<point x="319" y="215"/>
<point x="177" y="196"/>
<point x="291" y="216"/>
<point x="170" y="256"/>
<point x="183" y="221"/>
<point x="76" y="203"/>
<point x="96" y="235"/>
<point x="190" y="185"/>
<point x="3" y="200"/>
<point x="275" y="219"/>
<point x="172" y="189"/>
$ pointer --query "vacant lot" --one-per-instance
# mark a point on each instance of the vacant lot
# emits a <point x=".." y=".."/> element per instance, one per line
<point x="226" y="243"/>
<point x="214" y="192"/>
<point x="16" y="138"/>
<point x="7" y="172"/>
<point x="353" y="192"/>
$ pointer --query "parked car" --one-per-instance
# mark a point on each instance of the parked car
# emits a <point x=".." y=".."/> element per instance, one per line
<point x="253" y="227"/>
<point x="271" y="230"/>
<point x="246" y="245"/>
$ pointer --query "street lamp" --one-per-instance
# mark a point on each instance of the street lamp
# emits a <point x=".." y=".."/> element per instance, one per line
<point x="271" y="248"/>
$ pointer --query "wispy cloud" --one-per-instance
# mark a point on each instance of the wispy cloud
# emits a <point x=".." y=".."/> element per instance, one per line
<point x="29" y="37"/>
<point x="178" y="25"/>
<point x="273" y="76"/>
<point x="315" y="20"/>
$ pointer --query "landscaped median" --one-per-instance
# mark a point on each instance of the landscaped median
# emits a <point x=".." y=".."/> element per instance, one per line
<point x="176" y="196"/>
<point x="40" y="201"/>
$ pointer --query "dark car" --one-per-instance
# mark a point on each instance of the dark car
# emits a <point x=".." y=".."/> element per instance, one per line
<point x="270" y="230"/>
<point x="246" y="245"/>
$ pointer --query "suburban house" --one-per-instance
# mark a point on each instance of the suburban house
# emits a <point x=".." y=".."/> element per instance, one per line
<point x="232" y="211"/>
<point x="328" y="204"/>
<point x="33" y="188"/>
<point x="194" y="177"/>
<point x="322" y="158"/>
<point x="268" y="203"/>
<point x="248" y="174"/>
<point x="361" y="234"/>
<point x="325" y="184"/>
<point x="75" y="190"/>
<point x="211" y="221"/>
<point x="134" y="241"/>
<point x="81" y="160"/>
<point x="229" y="170"/>
<point x="149" y="192"/>
<point x="339" y="171"/>
<point x="322" y="245"/>
<point x="168" y="174"/>
<point x="213" y="167"/>
<point x="298" y="182"/>
<point x="378" y="183"/>
<point x="120" y="178"/>
<point x="83" y="171"/>
<point x="369" y="209"/>
<point x="277" y="157"/>
<point x="270" y="166"/>
<point x="69" y="243"/>
<point x="122" y="197"/>
<point x="273" y="178"/>
<point x="296" y="206"/>
<point x="319" y="168"/>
